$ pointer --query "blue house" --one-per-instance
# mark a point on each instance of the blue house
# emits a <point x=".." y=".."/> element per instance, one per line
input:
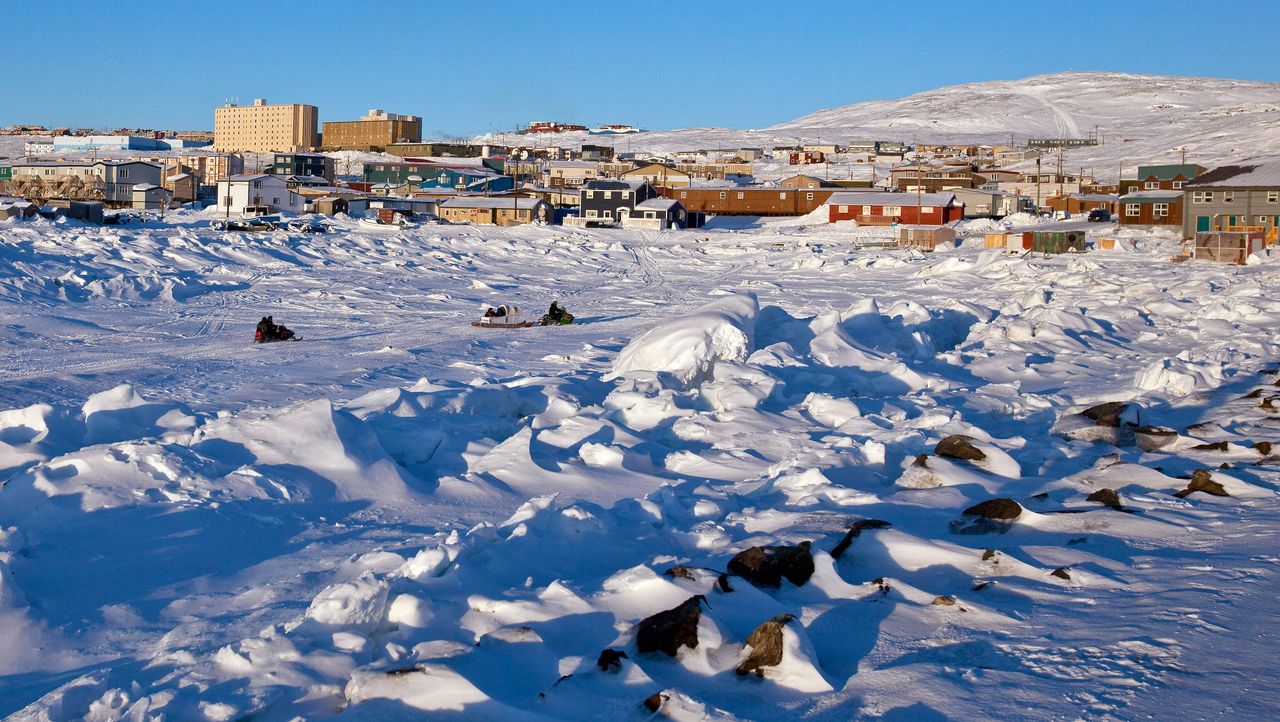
<point x="467" y="178"/>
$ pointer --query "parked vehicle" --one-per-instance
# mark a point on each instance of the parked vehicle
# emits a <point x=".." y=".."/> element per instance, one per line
<point x="1099" y="215"/>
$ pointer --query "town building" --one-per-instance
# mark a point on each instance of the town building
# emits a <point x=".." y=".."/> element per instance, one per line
<point x="473" y="179"/>
<point x="148" y="196"/>
<point x="374" y="132"/>
<point x="569" y="173"/>
<point x="262" y="128"/>
<point x="208" y="168"/>
<point x="931" y="179"/>
<point x="437" y="149"/>
<point x="1161" y="177"/>
<point x="982" y="203"/>
<point x="745" y="201"/>
<point x="657" y="174"/>
<point x="302" y="164"/>
<point x="800" y="180"/>
<point x="885" y="209"/>
<point x="110" y="181"/>
<point x="1082" y="203"/>
<point x="1151" y="208"/>
<point x="183" y="187"/>
<point x="257" y="194"/>
<point x="1233" y="197"/>
<point x="506" y="211"/>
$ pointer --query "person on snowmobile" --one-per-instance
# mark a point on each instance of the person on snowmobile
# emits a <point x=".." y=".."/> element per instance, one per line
<point x="556" y="316"/>
<point x="269" y="330"/>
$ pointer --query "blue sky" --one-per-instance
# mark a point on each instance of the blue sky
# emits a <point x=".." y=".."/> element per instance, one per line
<point x="469" y="67"/>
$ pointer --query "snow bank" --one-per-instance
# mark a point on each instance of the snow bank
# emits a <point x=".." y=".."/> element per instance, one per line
<point x="687" y="349"/>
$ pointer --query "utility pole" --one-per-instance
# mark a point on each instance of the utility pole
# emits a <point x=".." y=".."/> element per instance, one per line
<point x="1037" y="182"/>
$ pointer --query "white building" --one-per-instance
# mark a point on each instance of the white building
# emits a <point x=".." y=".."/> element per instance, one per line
<point x="241" y="194"/>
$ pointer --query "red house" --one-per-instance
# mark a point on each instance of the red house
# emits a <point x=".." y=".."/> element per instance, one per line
<point x="886" y="209"/>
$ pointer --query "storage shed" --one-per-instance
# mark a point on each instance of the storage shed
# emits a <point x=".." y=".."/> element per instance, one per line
<point x="926" y="238"/>
<point x="1228" y="246"/>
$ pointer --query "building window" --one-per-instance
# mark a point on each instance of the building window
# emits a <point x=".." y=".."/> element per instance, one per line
<point x="1202" y="196"/>
<point x="1151" y="185"/>
<point x="844" y="209"/>
<point x="741" y="195"/>
<point x="1273" y="196"/>
<point x="591" y="214"/>
<point x="1228" y="196"/>
<point x="1161" y="210"/>
<point x="683" y="194"/>
<point x="723" y="195"/>
<point x="927" y="209"/>
<point x="808" y="196"/>
<point x="275" y="201"/>
<point x="1131" y="209"/>
<point x="892" y="210"/>
<point x="1262" y="220"/>
<point x="1177" y="185"/>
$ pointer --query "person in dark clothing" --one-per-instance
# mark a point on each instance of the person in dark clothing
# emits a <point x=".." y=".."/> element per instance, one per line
<point x="269" y="330"/>
<point x="490" y="313"/>
<point x="556" y="316"/>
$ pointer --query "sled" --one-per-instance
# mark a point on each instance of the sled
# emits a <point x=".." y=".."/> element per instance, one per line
<point x="519" y="324"/>
<point x="278" y="340"/>
<point x="508" y="317"/>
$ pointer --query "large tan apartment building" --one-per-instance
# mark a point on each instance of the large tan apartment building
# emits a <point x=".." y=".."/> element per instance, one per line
<point x="262" y="128"/>
<point x="373" y="132"/>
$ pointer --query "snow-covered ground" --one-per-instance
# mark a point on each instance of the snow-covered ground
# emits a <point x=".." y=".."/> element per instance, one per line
<point x="402" y="516"/>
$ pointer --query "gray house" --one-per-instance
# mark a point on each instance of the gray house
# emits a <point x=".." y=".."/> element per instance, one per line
<point x="119" y="178"/>
<point x="1245" y="193"/>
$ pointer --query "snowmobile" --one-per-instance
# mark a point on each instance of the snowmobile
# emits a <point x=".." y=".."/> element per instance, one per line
<point x="556" y="316"/>
<point x="269" y="331"/>
<point x="504" y="316"/>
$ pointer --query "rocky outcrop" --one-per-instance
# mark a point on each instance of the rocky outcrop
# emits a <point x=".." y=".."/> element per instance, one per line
<point x="670" y="630"/>
<point x="765" y="644"/>
<point x="1202" y="481"/>
<point x="959" y="446"/>
<point x="768" y="566"/>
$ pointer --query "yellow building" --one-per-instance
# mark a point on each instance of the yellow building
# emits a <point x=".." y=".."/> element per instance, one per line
<point x="262" y="128"/>
<point x="373" y="132"/>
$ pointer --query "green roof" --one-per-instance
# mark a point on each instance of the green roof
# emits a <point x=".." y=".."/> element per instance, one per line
<point x="1169" y="172"/>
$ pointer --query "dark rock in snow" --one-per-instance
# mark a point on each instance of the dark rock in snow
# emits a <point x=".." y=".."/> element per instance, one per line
<point x="723" y="583"/>
<point x="993" y="515"/>
<point x="680" y="571"/>
<point x="980" y="586"/>
<point x="767" y="566"/>
<point x="944" y="600"/>
<point x="959" y="446"/>
<point x="1202" y="480"/>
<point x="1061" y="573"/>
<point x="990" y="554"/>
<point x="654" y="702"/>
<point x="1105" y="497"/>
<point x="1263" y="447"/>
<point x="1212" y="446"/>
<point x="670" y="630"/>
<point x="766" y="646"/>
<point x="1252" y="394"/>
<point x="921" y="461"/>
<point x="1108" y="414"/>
<point x="855" y="529"/>
<point x="999" y="508"/>
<point x="610" y="660"/>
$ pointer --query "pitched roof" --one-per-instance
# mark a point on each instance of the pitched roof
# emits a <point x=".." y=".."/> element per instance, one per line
<point x="1150" y="196"/>
<point x="1169" y="171"/>
<point x="523" y="204"/>
<point x="1244" y="174"/>
<point x="660" y="204"/>
<point x="612" y="185"/>
<point x="890" y="199"/>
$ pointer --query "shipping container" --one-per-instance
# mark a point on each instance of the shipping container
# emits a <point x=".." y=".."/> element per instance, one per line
<point x="996" y="240"/>
<point x="1055" y="241"/>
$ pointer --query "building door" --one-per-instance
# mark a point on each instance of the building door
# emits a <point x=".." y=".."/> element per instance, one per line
<point x="623" y="214"/>
<point x="1202" y="224"/>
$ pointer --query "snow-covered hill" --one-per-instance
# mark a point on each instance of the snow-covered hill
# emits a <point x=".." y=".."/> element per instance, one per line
<point x="1139" y="118"/>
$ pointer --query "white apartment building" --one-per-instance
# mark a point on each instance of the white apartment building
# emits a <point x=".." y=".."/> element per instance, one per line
<point x="240" y="193"/>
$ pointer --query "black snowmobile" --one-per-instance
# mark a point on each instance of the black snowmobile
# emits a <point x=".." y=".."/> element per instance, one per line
<point x="269" y="331"/>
